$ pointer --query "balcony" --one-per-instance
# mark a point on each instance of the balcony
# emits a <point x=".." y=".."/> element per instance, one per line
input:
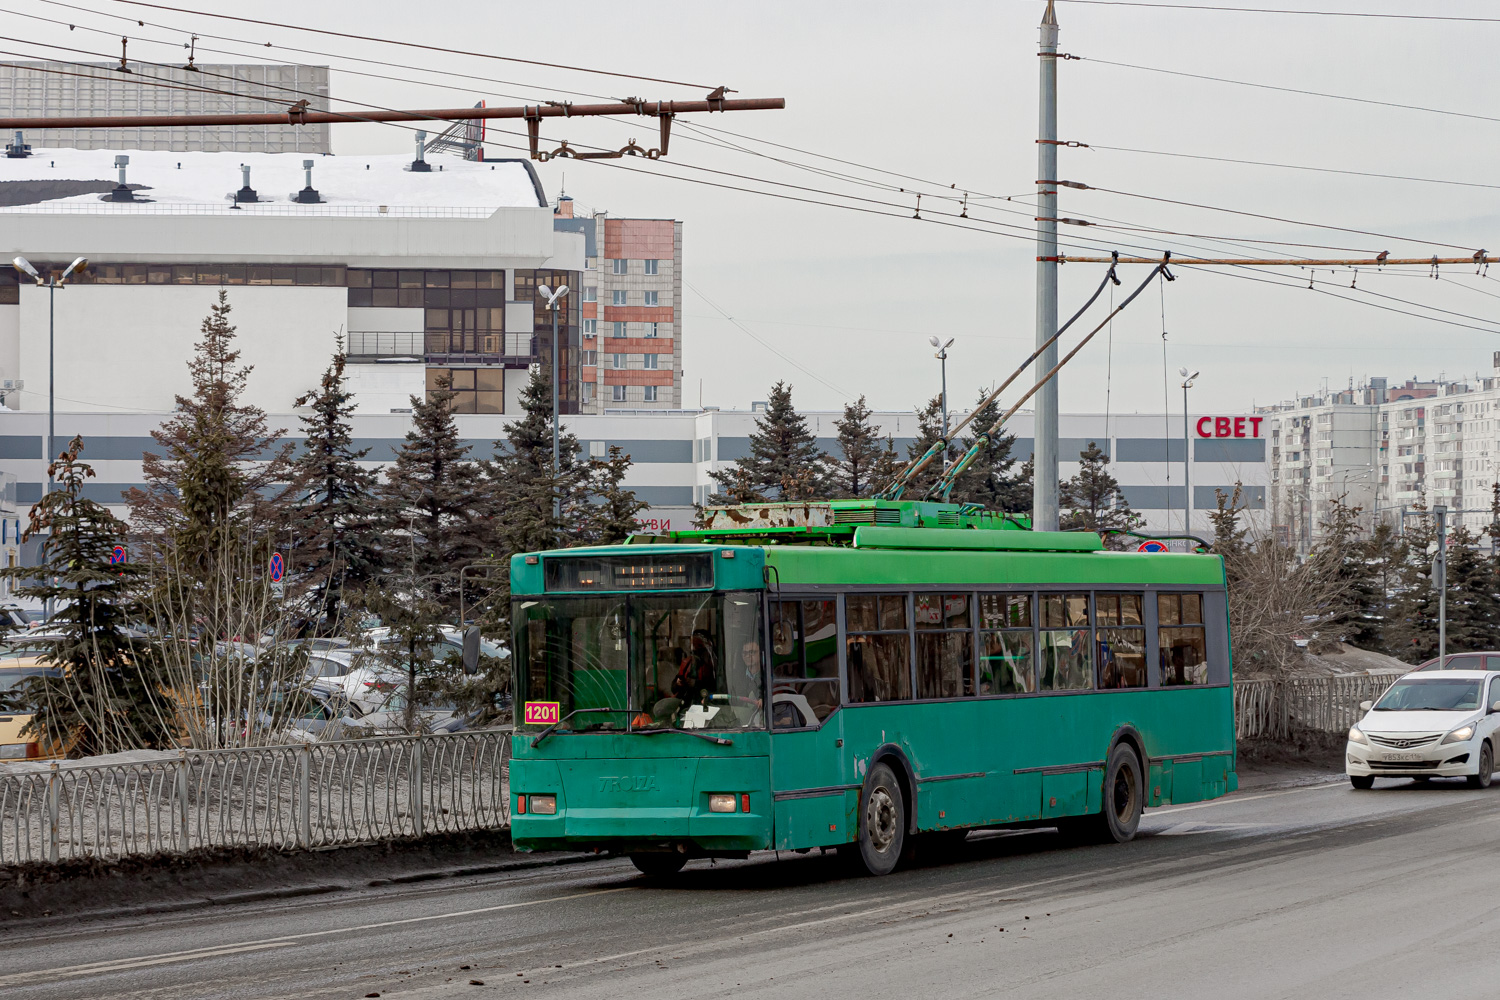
<point x="368" y="347"/>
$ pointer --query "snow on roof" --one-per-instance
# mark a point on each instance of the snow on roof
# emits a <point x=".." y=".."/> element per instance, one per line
<point x="210" y="179"/>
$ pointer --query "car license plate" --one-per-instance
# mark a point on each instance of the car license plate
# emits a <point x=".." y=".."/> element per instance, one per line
<point x="1403" y="756"/>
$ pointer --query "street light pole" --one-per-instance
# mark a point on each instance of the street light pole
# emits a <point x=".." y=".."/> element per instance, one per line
<point x="942" y="356"/>
<point x="1440" y="576"/>
<point x="552" y="299"/>
<point x="1187" y="460"/>
<point x="51" y="283"/>
<point x="1044" y="479"/>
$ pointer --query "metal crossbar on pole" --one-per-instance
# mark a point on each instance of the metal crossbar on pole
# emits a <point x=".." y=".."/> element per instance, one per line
<point x="1480" y="259"/>
<point x="299" y="114"/>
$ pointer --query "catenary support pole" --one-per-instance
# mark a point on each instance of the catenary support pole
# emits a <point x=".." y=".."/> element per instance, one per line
<point x="1440" y="576"/>
<point x="1187" y="469"/>
<point x="1044" y="470"/>
<point x="556" y="458"/>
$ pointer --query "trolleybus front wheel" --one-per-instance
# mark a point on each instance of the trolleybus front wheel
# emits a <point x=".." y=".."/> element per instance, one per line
<point x="659" y="865"/>
<point x="882" y="821"/>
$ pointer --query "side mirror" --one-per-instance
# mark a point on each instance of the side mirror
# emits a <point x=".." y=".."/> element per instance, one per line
<point x="471" y="650"/>
<point x="1495" y="707"/>
<point x="1365" y="706"/>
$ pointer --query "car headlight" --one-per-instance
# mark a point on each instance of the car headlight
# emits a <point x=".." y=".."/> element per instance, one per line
<point x="1459" y="735"/>
<point x="1355" y="736"/>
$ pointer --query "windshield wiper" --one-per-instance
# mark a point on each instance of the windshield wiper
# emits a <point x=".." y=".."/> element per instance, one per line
<point x="720" y="740"/>
<point x="554" y="727"/>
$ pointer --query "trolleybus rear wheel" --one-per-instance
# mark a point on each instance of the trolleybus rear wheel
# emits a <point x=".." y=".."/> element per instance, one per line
<point x="1120" y="807"/>
<point x="882" y="821"/>
<point x="659" y="865"/>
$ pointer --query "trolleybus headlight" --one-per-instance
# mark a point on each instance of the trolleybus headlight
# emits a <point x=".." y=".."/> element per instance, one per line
<point x="721" y="803"/>
<point x="1459" y="735"/>
<point x="1355" y="736"/>
<point x="544" y="805"/>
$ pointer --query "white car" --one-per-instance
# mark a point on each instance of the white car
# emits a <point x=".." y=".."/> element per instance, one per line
<point x="1428" y="725"/>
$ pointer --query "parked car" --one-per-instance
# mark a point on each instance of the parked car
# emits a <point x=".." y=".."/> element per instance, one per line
<point x="1464" y="661"/>
<point x="20" y="661"/>
<point x="1428" y="725"/>
<point x="321" y="711"/>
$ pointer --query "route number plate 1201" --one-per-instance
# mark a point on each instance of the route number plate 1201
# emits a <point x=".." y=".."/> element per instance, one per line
<point x="549" y="713"/>
<point x="1403" y="756"/>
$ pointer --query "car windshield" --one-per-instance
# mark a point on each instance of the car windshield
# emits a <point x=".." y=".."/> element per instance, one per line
<point x="1438" y="694"/>
<point x="13" y="677"/>
<point x="641" y="662"/>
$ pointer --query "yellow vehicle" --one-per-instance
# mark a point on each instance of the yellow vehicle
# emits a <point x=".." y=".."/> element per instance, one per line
<point x="20" y="659"/>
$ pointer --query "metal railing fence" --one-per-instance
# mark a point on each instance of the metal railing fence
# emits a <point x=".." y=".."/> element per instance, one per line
<point x="308" y="795"/>
<point x="1273" y="708"/>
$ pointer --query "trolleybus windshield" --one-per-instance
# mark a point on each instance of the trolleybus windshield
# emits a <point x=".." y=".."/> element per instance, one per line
<point x="640" y="662"/>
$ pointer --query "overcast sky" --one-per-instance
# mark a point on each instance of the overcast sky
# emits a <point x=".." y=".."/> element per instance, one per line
<point x="948" y="93"/>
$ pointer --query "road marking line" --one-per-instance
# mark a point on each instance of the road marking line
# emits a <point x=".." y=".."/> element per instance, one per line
<point x="122" y="964"/>
<point x="1229" y="800"/>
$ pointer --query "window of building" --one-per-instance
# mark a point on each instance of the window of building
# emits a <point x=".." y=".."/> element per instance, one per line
<point x="1007" y="647"/>
<point x="618" y="266"/>
<point x="1122" y="640"/>
<point x="475" y="390"/>
<point x="591" y="295"/>
<point x="648" y="361"/>
<point x="617" y="330"/>
<point x="590" y="357"/>
<point x="649" y="393"/>
<point x="1066" y="654"/>
<point x="879" y="668"/>
<point x="945" y="650"/>
<point x="617" y="297"/>
<point x="591" y="328"/>
<point x="651" y="266"/>
<point x="409" y="289"/>
<point x="588" y="392"/>
<point x="652" y="329"/>
<point x="653" y="298"/>
<point x="804" y="662"/>
<point x="617" y="360"/>
<point x="1181" y="640"/>
<point x="617" y="393"/>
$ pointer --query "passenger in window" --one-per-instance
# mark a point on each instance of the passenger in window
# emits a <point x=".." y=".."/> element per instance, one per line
<point x="695" y="679"/>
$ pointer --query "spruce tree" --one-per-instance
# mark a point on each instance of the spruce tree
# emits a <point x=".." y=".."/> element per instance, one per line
<point x="1093" y="498"/>
<point x="1412" y="633"/>
<point x="988" y="480"/>
<point x="522" y="480"/>
<point x="221" y="476"/>
<point x="1383" y="555"/>
<point x="612" y="507"/>
<point x="336" y="531"/>
<point x="436" y="493"/>
<point x="1473" y="611"/>
<point x="109" y="696"/>
<point x="784" y="461"/>
<point x="853" y="475"/>
<point x="929" y="432"/>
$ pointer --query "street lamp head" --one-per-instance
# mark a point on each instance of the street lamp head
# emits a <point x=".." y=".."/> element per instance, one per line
<point x="1182" y="372"/>
<point x="546" y="292"/>
<point x="948" y="344"/>
<point x="933" y="341"/>
<point x="79" y="263"/>
<point x="24" y="265"/>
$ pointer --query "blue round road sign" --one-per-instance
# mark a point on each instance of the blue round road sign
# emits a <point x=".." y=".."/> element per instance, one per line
<point x="278" y="567"/>
<point x="1152" y="546"/>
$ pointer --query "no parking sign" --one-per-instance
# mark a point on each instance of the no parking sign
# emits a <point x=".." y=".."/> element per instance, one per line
<point x="1152" y="546"/>
<point x="278" y="567"/>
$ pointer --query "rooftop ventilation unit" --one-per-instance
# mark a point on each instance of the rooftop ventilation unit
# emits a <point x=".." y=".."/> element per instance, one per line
<point x="246" y="193"/>
<point x="420" y="164"/>
<point x="17" y="149"/>
<point x="121" y="193"/>
<point x="307" y="196"/>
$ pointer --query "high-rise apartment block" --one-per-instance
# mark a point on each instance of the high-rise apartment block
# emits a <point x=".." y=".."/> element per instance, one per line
<point x="631" y="309"/>
<point x="33" y="89"/>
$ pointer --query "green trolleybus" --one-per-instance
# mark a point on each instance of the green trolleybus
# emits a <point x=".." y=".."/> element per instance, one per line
<point x="866" y="675"/>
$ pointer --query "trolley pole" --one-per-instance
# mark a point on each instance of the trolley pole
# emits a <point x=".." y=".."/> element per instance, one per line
<point x="1044" y="477"/>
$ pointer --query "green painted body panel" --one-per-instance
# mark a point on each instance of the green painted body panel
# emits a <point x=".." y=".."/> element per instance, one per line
<point x="976" y="761"/>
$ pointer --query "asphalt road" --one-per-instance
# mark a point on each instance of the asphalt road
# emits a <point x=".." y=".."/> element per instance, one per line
<point x="1312" y="892"/>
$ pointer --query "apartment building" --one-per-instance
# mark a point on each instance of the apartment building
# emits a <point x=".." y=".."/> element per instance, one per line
<point x="68" y="89"/>
<point x="631" y="311"/>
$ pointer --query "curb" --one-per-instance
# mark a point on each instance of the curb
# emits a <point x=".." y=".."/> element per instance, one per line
<point x="290" y="892"/>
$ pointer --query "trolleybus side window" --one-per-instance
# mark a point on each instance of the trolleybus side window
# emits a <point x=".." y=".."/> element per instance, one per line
<point x="1181" y="640"/>
<point x="804" y="662"/>
<point x="1007" y="645"/>
<point x="1122" y="640"/>
<point x="945" y="646"/>
<point x="879" y="669"/>
<point x="1067" y="659"/>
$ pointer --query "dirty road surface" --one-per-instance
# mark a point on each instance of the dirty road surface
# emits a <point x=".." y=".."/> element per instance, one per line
<point x="1311" y="891"/>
